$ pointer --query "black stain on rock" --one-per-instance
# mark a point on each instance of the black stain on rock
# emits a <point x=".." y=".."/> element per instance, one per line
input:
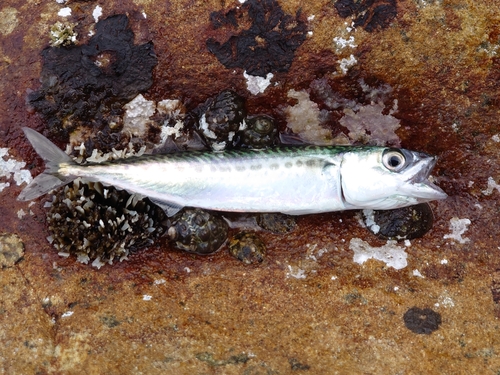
<point x="219" y="19"/>
<point x="369" y="14"/>
<point x="422" y="321"/>
<point x="267" y="46"/>
<point x="89" y="84"/>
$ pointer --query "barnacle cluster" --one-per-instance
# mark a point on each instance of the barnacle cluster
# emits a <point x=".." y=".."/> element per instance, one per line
<point x="101" y="224"/>
<point x="197" y="231"/>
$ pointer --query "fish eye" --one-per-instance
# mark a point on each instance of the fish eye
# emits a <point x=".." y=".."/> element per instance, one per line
<point x="393" y="160"/>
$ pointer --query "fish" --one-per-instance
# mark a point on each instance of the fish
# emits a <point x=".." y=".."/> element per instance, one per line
<point x="294" y="180"/>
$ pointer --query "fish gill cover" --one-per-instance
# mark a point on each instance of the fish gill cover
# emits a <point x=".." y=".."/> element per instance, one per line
<point x="87" y="85"/>
<point x="267" y="46"/>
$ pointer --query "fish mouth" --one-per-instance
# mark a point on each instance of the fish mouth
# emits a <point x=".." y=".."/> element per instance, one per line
<point x="422" y="187"/>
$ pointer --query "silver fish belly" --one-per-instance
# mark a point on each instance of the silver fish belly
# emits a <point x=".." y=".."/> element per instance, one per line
<point x="292" y="180"/>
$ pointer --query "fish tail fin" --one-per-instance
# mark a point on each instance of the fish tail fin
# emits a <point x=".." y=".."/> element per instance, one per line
<point x="50" y="179"/>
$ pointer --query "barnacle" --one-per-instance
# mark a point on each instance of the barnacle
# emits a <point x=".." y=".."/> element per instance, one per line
<point x="260" y="132"/>
<point x="62" y="34"/>
<point x="220" y="118"/>
<point x="276" y="222"/>
<point x="402" y="223"/>
<point x="197" y="231"/>
<point x="101" y="223"/>
<point x="247" y="247"/>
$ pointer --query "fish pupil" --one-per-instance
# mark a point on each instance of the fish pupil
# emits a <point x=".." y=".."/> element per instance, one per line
<point x="394" y="161"/>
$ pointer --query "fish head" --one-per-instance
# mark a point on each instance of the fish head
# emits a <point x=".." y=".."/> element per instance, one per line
<point x="384" y="178"/>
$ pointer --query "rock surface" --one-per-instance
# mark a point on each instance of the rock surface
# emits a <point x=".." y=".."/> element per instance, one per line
<point x="308" y="307"/>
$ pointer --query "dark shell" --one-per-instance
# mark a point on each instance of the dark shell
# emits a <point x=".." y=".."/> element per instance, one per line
<point x="220" y="118"/>
<point x="247" y="247"/>
<point x="197" y="231"/>
<point x="402" y="223"/>
<point x="260" y="132"/>
<point x="276" y="222"/>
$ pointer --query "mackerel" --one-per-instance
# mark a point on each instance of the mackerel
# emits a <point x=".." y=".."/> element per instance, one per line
<point x="293" y="180"/>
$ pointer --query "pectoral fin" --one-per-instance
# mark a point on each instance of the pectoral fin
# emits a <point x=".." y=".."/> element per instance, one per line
<point x="170" y="208"/>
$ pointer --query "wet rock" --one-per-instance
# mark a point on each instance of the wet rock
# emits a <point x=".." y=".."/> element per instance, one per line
<point x="247" y="247"/>
<point x="11" y="249"/>
<point x="197" y="231"/>
<point x="422" y="321"/>
<point x="400" y="224"/>
<point x="267" y="46"/>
